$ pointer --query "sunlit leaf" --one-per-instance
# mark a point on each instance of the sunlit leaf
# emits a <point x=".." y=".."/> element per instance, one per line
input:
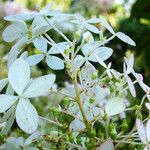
<point x="39" y="86"/>
<point x="115" y="106"/>
<point x="19" y="75"/>
<point x="55" y="62"/>
<point x="125" y="38"/>
<point x="34" y="59"/>
<point x="6" y="101"/>
<point x="14" y="31"/>
<point x="26" y="116"/>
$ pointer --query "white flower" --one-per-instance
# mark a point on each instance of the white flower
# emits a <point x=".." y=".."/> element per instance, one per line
<point x="19" y="79"/>
<point x="144" y="132"/>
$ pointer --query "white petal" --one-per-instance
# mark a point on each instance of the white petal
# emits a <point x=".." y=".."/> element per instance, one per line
<point x="33" y="137"/>
<point x="103" y="53"/>
<point x="24" y="55"/>
<point x="148" y="130"/>
<point x="141" y="130"/>
<point x="93" y="20"/>
<point x="125" y="38"/>
<point x="6" y="101"/>
<point x="39" y="86"/>
<point x="39" y="30"/>
<point x="21" y="16"/>
<point x="100" y="61"/>
<point x="76" y="125"/>
<point x="115" y="106"/>
<point x="41" y="44"/>
<point x="147" y="106"/>
<point x="34" y="59"/>
<point x="58" y="48"/>
<point x="55" y="62"/>
<point x="130" y="64"/>
<point x="87" y="36"/>
<point x="16" y="49"/>
<point x="92" y="28"/>
<point x="26" y="116"/>
<point x="107" y="145"/>
<point x="19" y="75"/>
<point x="14" y="31"/>
<point x="131" y="86"/>
<point x="106" y="25"/>
<point x="3" y="83"/>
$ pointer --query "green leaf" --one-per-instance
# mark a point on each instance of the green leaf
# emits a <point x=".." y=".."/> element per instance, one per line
<point x="19" y="75"/>
<point x="39" y="86"/>
<point x="54" y="62"/>
<point x="115" y="106"/>
<point x="26" y="116"/>
<point x="14" y="31"/>
<point x="6" y="101"/>
<point x="125" y="38"/>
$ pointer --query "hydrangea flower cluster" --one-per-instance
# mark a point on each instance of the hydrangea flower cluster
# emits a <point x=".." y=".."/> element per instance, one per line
<point x="94" y="100"/>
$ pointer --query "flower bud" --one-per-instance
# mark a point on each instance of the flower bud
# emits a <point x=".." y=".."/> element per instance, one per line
<point x="92" y="100"/>
<point x="94" y="75"/>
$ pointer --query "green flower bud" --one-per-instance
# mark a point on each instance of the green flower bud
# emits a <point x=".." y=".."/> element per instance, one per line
<point x="55" y="111"/>
<point x="112" y="88"/>
<point x="78" y="34"/>
<point x="113" y="131"/>
<point x="79" y="140"/>
<point x="67" y="51"/>
<point x="92" y="100"/>
<point x="124" y="125"/>
<point x="68" y="67"/>
<point x="137" y="107"/>
<point x="65" y="102"/>
<point x="71" y="138"/>
<point x="65" y="126"/>
<point x="92" y="133"/>
<point x="94" y="75"/>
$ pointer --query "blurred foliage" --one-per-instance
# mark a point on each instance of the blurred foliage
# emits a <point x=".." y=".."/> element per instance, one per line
<point x="137" y="26"/>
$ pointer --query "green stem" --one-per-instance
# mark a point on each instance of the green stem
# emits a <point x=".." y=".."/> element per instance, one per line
<point x="80" y="105"/>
